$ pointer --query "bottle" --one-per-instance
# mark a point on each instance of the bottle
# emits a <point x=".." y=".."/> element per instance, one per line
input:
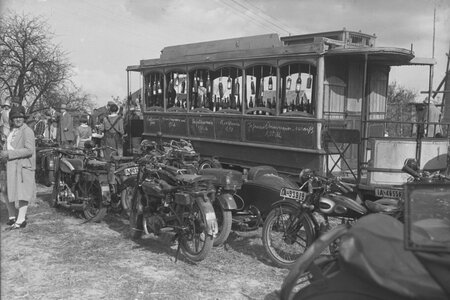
<point x="309" y="82"/>
<point x="238" y="103"/>
<point x="177" y="80"/>
<point x="262" y="87"/>
<point x="285" y="106"/>
<point x="307" y="106"/>
<point x="220" y="89"/>
<point x="229" y="82"/>
<point x="298" y="84"/>
<point x="183" y="87"/>
<point x="302" y="105"/>
<point x="292" y="106"/>
<point x="214" y="104"/>
<point x="154" y="87"/>
<point x="252" y="86"/>
<point x="288" y="83"/>
<point x="297" y="102"/>
<point x="250" y="104"/>
<point x="201" y="79"/>
<point x="274" y="103"/>
<point x="268" y="103"/>
<point x="270" y="87"/>
<point x="208" y="84"/>
<point x="195" y="85"/>
<point x="159" y="87"/>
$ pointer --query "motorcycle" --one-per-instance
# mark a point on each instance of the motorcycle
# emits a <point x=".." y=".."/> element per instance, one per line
<point x="81" y="183"/>
<point x="306" y="212"/>
<point x="45" y="161"/>
<point x="166" y="199"/>
<point x="380" y="257"/>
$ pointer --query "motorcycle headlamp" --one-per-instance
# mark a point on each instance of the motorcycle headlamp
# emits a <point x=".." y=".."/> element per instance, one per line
<point x="305" y="175"/>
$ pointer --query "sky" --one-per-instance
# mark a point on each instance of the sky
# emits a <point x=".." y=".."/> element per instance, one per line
<point x="103" y="37"/>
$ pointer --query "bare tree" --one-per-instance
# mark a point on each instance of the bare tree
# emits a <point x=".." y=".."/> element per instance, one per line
<point x="400" y="110"/>
<point x="31" y="65"/>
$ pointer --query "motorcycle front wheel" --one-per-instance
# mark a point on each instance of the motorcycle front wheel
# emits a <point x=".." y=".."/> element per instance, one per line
<point x="224" y="222"/>
<point x="126" y="198"/>
<point x="195" y="242"/>
<point x="287" y="232"/>
<point x="136" y="216"/>
<point x="91" y="193"/>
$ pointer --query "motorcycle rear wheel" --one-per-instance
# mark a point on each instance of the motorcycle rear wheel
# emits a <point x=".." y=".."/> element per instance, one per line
<point x="224" y="222"/>
<point x="94" y="210"/>
<point x="195" y="242"/>
<point x="287" y="232"/>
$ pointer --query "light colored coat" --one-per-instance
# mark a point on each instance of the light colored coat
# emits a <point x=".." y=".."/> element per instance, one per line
<point x="21" y="166"/>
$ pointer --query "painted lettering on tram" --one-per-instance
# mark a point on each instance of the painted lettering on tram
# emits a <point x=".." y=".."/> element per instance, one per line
<point x="229" y="125"/>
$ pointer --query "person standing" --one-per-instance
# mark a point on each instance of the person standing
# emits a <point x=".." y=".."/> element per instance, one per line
<point x="4" y="119"/>
<point x="66" y="132"/>
<point x="113" y="126"/>
<point x="84" y="132"/>
<point x="20" y="155"/>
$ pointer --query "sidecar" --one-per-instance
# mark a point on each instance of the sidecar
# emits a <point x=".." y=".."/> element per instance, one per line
<point x="255" y="198"/>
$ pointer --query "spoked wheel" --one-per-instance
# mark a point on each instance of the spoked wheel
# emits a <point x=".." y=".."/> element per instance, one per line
<point x="136" y="216"/>
<point x="56" y="189"/>
<point x="224" y="220"/>
<point x="126" y="199"/>
<point x="195" y="241"/>
<point x="287" y="232"/>
<point x="91" y="193"/>
<point x="312" y="265"/>
<point x="209" y="163"/>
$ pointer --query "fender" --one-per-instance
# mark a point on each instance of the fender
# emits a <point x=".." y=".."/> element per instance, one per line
<point x="227" y="202"/>
<point x="306" y="214"/>
<point x="207" y="211"/>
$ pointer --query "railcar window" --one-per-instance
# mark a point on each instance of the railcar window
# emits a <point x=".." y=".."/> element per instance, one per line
<point x="154" y="87"/>
<point x="176" y="90"/>
<point x="261" y="90"/>
<point x="227" y="90"/>
<point x="297" y="92"/>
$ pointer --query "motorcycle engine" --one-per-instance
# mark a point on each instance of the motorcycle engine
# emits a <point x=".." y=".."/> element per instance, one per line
<point x="65" y="193"/>
<point x="153" y="223"/>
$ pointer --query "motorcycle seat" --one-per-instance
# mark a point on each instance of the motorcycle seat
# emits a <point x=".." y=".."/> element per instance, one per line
<point x="96" y="164"/>
<point x="167" y="188"/>
<point x="121" y="159"/>
<point x="192" y="178"/>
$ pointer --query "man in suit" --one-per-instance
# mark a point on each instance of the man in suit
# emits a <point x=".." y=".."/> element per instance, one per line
<point x="66" y="132"/>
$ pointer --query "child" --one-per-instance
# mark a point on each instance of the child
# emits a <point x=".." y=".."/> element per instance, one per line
<point x="84" y="132"/>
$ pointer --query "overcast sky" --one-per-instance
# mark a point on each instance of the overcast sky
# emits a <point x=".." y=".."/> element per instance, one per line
<point x="103" y="37"/>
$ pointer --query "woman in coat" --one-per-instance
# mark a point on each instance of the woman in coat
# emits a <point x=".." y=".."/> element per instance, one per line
<point x="20" y="155"/>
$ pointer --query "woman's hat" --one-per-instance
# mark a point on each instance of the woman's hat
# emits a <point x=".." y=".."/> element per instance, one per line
<point x="17" y="112"/>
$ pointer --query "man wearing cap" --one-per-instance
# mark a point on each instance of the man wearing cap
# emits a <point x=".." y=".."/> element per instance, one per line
<point x="66" y="131"/>
<point x="113" y="128"/>
<point x="4" y="119"/>
<point x="20" y="155"/>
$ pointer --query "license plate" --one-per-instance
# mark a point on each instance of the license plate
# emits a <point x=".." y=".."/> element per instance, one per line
<point x="293" y="194"/>
<point x="130" y="171"/>
<point x="389" y="193"/>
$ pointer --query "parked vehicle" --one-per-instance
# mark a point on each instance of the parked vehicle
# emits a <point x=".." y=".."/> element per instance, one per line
<point x="316" y="206"/>
<point x="45" y="161"/>
<point x="81" y="183"/>
<point x="165" y="199"/>
<point x="380" y="257"/>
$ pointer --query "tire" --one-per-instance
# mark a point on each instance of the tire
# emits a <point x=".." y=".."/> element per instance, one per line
<point x="312" y="262"/>
<point x="224" y="222"/>
<point x="55" y="190"/>
<point x="287" y="232"/>
<point x="209" y="163"/>
<point x="94" y="210"/>
<point x="136" y="217"/>
<point x="126" y="198"/>
<point x="195" y="242"/>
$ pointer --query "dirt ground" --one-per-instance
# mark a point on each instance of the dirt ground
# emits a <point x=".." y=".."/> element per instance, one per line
<point x="57" y="256"/>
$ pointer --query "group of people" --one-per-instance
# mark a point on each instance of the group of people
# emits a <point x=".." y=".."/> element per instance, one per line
<point x="18" y="155"/>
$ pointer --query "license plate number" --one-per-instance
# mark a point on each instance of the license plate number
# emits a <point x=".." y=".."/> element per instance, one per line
<point x="130" y="171"/>
<point x="389" y="193"/>
<point x="293" y="194"/>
